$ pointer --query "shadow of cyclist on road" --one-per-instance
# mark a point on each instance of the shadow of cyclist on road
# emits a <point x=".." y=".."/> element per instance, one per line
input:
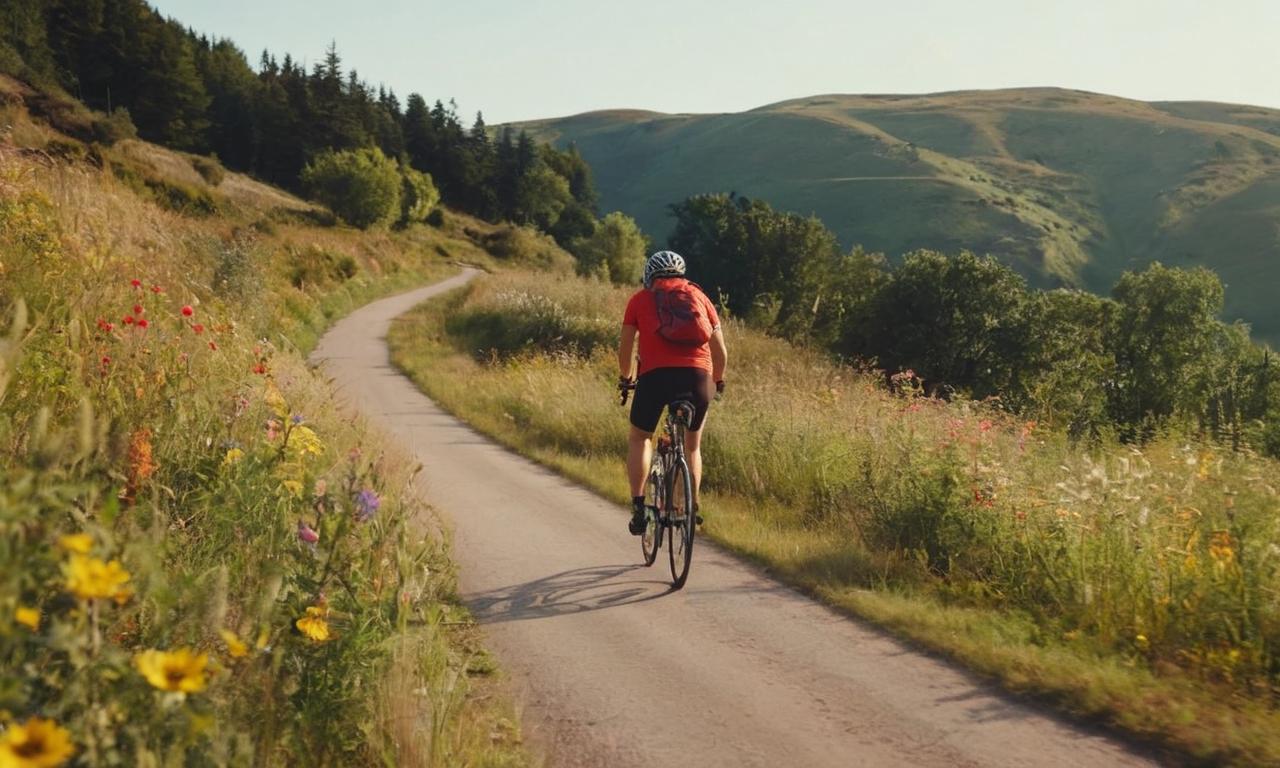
<point x="569" y="592"/>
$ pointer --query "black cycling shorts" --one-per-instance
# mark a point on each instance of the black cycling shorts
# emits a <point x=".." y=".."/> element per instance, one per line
<point x="662" y="386"/>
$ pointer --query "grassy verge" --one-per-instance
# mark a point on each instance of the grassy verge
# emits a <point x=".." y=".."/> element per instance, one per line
<point x="1133" y="587"/>
<point x="203" y="562"/>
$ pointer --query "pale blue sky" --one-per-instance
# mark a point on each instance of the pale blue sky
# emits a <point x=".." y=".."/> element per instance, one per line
<point x="548" y="58"/>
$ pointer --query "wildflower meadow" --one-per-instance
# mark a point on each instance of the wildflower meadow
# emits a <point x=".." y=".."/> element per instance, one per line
<point x="202" y="560"/>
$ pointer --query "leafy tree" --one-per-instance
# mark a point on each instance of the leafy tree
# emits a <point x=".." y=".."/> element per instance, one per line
<point x="362" y="186"/>
<point x="959" y="321"/>
<point x="772" y="267"/>
<point x="1163" y="334"/>
<point x="1070" y="369"/>
<point x="541" y="196"/>
<point x="616" y="250"/>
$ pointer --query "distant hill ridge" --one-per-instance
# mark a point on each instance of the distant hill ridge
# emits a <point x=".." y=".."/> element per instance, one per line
<point x="1070" y="187"/>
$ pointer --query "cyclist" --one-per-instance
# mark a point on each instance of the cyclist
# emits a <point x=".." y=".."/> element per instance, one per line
<point x="682" y="355"/>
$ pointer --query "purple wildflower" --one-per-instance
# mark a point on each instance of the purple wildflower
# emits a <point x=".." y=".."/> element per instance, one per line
<point x="296" y="419"/>
<point x="367" y="503"/>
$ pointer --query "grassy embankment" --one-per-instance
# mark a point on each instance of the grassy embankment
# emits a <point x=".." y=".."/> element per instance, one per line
<point x="1132" y="586"/>
<point x="203" y="561"/>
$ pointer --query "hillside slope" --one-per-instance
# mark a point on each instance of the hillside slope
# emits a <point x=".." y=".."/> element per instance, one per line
<point x="1071" y="188"/>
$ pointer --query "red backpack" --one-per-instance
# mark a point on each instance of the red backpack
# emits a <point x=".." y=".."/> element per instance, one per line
<point x="681" y="316"/>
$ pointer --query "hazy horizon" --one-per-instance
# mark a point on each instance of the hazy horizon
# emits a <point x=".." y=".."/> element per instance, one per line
<point x="532" y="60"/>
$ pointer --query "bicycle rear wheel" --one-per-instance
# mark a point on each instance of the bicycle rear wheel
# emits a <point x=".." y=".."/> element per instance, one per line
<point x="680" y="512"/>
<point x="651" y="539"/>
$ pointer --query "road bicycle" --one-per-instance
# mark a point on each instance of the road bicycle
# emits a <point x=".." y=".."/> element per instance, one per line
<point x="668" y="498"/>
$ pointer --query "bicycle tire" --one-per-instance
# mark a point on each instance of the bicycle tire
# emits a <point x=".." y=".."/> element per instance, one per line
<point x="651" y="539"/>
<point x="680" y="515"/>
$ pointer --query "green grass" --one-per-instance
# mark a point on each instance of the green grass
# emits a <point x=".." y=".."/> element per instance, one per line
<point x="1068" y="187"/>
<point x="1133" y="588"/>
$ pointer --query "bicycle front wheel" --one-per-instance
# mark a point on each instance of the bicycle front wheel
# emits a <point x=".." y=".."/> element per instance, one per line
<point x="680" y="534"/>
<point x="651" y="539"/>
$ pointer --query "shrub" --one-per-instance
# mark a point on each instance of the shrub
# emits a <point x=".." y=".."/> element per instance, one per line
<point x="361" y="186"/>
<point x="419" y="196"/>
<point x="316" y="266"/>
<point x="209" y="169"/>
<point x="525" y="245"/>
<point x="511" y="322"/>
<point x="614" y="250"/>
<point x="111" y="128"/>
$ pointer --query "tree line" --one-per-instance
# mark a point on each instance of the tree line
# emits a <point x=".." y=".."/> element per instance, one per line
<point x="192" y="93"/>
<point x="1154" y="354"/>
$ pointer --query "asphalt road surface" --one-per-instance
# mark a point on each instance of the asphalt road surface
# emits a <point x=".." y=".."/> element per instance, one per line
<point x="611" y="668"/>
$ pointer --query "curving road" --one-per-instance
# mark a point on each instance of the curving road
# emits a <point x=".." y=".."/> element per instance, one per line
<point x="611" y="669"/>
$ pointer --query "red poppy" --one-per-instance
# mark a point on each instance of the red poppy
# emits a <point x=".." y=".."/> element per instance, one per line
<point x="106" y="361"/>
<point x="157" y="289"/>
<point x="142" y="323"/>
<point x="128" y="320"/>
<point x="187" y="311"/>
<point x="136" y="283"/>
<point x="260" y="368"/>
<point x="198" y="328"/>
<point x="137" y="309"/>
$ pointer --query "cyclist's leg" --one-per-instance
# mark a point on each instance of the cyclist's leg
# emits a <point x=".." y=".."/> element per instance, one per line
<point x="646" y="408"/>
<point x="693" y="456"/>
<point x="702" y="390"/>
<point x="639" y="454"/>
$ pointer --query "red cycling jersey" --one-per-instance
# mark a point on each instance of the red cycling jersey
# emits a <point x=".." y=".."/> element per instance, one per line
<point x="655" y="351"/>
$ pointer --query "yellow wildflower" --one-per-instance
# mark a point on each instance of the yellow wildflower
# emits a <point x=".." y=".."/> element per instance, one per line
<point x="80" y="543"/>
<point x="235" y="646"/>
<point x="294" y="487"/>
<point x="313" y="625"/>
<point x="275" y="400"/>
<point x="233" y="457"/>
<point x="181" y="670"/>
<point x="89" y="578"/>
<point x="304" y="442"/>
<point x="37" y="743"/>
<point x="28" y="617"/>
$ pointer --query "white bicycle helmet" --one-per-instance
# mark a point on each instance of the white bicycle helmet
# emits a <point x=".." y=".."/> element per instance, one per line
<point x="663" y="264"/>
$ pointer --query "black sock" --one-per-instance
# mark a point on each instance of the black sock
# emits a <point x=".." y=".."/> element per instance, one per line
<point x="637" y="502"/>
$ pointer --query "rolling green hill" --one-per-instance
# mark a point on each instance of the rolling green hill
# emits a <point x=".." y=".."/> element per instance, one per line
<point x="1071" y="188"/>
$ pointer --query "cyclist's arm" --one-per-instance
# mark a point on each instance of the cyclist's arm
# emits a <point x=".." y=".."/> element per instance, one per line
<point x="719" y="355"/>
<point x="627" y="352"/>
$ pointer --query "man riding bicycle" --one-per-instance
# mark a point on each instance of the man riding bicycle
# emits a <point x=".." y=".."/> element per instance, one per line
<point x="682" y="356"/>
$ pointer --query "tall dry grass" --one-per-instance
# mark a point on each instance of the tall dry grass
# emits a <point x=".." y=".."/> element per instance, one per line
<point x="1134" y="583"/>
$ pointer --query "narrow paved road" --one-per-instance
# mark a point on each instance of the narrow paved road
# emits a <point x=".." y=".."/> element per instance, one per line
<point x="612" y="669"/>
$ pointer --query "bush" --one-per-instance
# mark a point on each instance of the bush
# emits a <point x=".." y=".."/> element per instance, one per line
<point x="511" y="322"/>
<point x="525" y="245"/>
<point x="312" y="266"/>
<point x="173" y="195"/>
<point x="615" y="250"/>
<point x="361" y="186"/>
<point x="209" y="169"/>
<point x="111" y="128"/>
<point x="419" y="196"/>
